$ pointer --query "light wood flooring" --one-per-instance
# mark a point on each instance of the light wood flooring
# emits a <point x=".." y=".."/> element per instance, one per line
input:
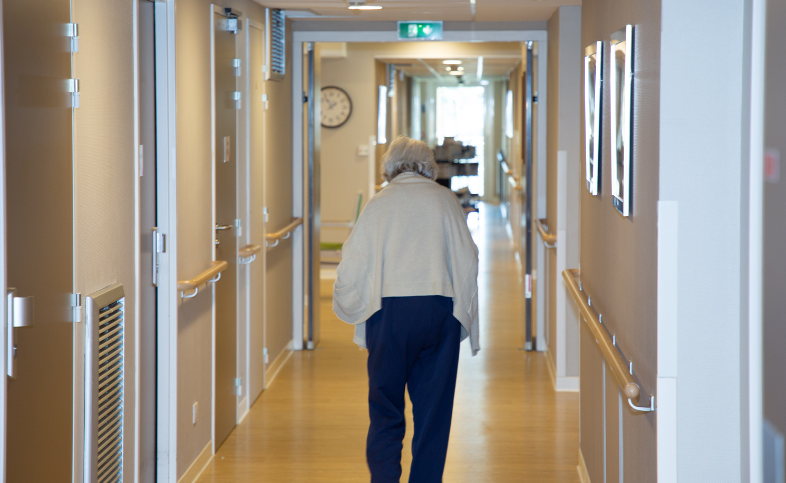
<point x="508" y="423"/>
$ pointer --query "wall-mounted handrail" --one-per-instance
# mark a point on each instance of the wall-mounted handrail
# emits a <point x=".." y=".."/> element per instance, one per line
<point x="619" y="367"/>
<point x="212" y="275"/>
<point x="283" y="233"/>
<point x="515" y="182"/>
<point x="248" y="254"/>
<point x="505" y="168"/>
<point x="549" y="239"/>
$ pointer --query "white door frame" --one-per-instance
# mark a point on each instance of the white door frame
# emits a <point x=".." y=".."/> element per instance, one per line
<point x="3" y="258"/>
<point x="299" y="172"/>
<point x="166" y="170"/>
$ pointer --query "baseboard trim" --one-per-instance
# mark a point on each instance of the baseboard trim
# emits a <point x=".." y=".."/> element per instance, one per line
<point x="278" y="363"/>
<point x="564" y="383"/>
<point x="582" y="469"/>
<point x="198" y="466"/>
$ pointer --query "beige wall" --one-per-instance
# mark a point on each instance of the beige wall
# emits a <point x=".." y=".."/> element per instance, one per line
<point x="619" y="266"/>
<point x="278" y="199"/>
<point x="564" y="72"/>
<point x="195" y="219"/>
<point x="105" y="171"/>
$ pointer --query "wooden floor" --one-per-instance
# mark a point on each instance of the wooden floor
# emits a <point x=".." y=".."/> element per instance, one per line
<point x="508" y="424"/>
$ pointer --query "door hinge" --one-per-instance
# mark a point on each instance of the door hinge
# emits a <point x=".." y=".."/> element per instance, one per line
<point x="159" y="246"/>
<point x="528" y="286"/>
<point x="266" y="355"/>
<point x="265" y="212"/>
<point x="72" y="31"/>
<point x="75" y="301"/>
<point x="238" y="386"/>
<point x="264" y="101"/>
<point x="238" y="227"/>
<point x="236" y="96"/>
<point x="236" y="65"/>
<point x="305" y="98"/>
<point x="73" y="88"/>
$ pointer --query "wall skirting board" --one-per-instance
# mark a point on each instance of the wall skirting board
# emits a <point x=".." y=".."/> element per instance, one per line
<point x="198" y="466"/>
<point x="277" y="364"/>
<point x="564" y="383"/>
<point x="582" y="469"/>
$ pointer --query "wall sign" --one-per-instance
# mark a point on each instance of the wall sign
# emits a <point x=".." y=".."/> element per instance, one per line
<point x="621" y="118"/>
<point x="430" y="30"/>
<point x="593" y="78"/>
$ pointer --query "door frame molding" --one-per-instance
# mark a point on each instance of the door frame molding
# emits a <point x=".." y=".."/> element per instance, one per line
<point x="166" y="170"/>
<point x="299" y="163"/>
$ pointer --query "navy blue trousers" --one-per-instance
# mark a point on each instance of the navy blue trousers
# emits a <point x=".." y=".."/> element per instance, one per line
<point x="412" y="342"/>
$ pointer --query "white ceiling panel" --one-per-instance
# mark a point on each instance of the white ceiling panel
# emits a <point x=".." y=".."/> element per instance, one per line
<point x="447" y="10"/>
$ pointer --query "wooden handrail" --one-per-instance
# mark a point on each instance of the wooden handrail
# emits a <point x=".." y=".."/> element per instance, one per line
<point x="613" y="358"/>
<point x="194" y="283"/>
<point x="515" y="182"/>
<point x="545" y="235"/>
<point x="248" y="251"/>
<point x="284" y="232"/>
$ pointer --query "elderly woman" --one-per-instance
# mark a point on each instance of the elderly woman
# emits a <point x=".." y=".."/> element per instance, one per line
<point x="408" y="282"/>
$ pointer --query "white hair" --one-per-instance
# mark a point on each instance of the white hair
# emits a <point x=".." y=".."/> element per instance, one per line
<point x="406" y="155"/>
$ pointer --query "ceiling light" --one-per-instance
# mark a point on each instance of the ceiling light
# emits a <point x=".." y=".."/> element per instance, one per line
<point x="456" y="72"/>
<point x="365" y="7"/>
<point x="484" y="82"/>
<point x="460" y="68"/>
<point x="451" y="62"/>
<point x="447" y="69"/>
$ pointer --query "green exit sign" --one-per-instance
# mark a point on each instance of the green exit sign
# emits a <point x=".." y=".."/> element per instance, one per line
<point x="420" y="30"/>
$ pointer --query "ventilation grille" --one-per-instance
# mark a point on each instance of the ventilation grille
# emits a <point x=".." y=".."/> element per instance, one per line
<point x="277" y="43"/>
<point x="104" y="385"/>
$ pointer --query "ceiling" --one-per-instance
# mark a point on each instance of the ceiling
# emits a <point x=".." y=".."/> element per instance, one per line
<point x="447" y="10"/>
<point x="436" y="69"/>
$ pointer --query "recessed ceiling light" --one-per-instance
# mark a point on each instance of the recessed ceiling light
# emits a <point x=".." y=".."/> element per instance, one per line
<point x="460" y="68"/>
<point x="365" y="7"/>
<point x="456" y="72"/>
<point x="447" y="69"/>
<point x="451" y="62"/>
<point x="484" y="82"/>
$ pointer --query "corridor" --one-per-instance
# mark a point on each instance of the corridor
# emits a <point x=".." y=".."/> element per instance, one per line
<point x="509" y="425"/>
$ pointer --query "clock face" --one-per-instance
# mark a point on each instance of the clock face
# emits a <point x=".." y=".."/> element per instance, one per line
<point x="336" y="106"/>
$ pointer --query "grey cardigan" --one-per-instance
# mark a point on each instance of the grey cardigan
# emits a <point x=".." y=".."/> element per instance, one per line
<point x="411" y="240"/>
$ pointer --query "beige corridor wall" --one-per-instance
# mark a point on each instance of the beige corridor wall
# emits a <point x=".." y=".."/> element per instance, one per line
<point x="105" y="173"/>
<point x="619" y="255"/>
<point x="278" y="197"/>
<point x="564" y="74"/>
<point x="194" y="217"/>
<point x="344" y="171"/>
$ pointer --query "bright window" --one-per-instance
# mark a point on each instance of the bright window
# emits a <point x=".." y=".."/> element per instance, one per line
<point x="461" y="113"/>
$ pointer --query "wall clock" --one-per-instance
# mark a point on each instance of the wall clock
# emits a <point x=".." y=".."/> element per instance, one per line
<point x="336" y="106"/>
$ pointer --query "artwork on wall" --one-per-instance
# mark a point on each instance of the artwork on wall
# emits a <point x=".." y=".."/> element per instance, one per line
<point x="621" y="68"/>
<point x="593" y="105"/>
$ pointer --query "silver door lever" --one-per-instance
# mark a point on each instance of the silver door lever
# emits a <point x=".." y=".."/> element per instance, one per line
<point x="224" y="227"/>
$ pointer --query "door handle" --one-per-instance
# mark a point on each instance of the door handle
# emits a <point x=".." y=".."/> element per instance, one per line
<point x="223" y="227"/>
<point x="19" y="313"/>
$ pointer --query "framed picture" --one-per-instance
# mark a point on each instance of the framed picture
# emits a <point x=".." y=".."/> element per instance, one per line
<point x="593" y="105"/>
<point x="621" y="70"/>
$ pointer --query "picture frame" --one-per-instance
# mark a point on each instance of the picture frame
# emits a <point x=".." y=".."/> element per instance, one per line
<point x="621" y="91"/>
<point x="593" y="110"/>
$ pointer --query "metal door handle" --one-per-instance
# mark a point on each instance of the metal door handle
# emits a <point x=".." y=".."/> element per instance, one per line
<point x="19" y="313"/>
<point x="224" y="227"/>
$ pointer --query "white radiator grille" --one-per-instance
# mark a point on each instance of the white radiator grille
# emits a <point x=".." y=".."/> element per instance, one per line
<point x="104" y="385"/>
